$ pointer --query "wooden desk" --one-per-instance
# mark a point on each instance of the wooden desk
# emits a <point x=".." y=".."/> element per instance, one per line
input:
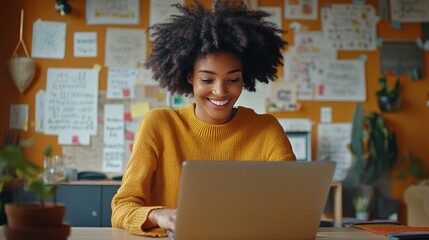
<point x="81" y="233"/>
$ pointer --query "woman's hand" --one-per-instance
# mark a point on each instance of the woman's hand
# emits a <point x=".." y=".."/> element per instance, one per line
<point x="164" y="218"/>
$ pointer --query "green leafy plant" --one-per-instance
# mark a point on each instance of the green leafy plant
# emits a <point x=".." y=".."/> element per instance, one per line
<point x="373" y="147"/>
<point x="388" y="98"/>
<point x="410" y="166"/>
<point x="386" y="91"/>
<point x="26" y="173"/>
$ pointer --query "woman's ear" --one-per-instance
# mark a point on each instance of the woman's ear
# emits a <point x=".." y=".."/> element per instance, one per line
<point x="190" y="79"/>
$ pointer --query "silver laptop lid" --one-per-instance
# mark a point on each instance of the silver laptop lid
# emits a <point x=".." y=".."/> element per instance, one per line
<point x="252" y="200"/>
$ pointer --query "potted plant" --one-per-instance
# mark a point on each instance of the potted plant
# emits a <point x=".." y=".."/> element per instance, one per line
<point x="389" y="99"/>
<point x="374" y="153"/>
<point x="29" y="220"/>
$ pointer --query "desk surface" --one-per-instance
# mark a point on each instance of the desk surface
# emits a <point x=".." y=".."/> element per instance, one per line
<point x="81" y="233"/>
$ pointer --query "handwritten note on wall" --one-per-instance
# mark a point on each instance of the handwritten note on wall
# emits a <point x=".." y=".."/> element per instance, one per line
<point x="332" y="140"/>
<point x="71" y="101"/>
<point x="339" y="80"/>
<point x="409" y="10"/>
<point x="113" y="11"/>
<point x="350" y="26"/>
<point x="49" y="39"/>
<point x="113" y="147"/>
<point x="125" y="47"/>
<point x="85" y="44"/>
<point x="120" y="83"/>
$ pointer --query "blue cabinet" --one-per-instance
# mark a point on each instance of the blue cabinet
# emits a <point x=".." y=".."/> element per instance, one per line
<point x="87" y="205"/>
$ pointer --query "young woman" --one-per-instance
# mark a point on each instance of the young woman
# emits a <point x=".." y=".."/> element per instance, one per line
<point x="212" y="55"/>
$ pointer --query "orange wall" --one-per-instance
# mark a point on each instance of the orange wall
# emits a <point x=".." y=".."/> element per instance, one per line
<point x="410" y="123"/>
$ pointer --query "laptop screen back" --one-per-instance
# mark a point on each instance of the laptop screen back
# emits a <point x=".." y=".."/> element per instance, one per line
<point x="252" y="200"/>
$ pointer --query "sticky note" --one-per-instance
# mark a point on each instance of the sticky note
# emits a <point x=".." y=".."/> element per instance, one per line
<point x="126" y="92"/>
<point x="139" y="109"/>
<point x="129" y="135"/>
<point x="75" y="139"/>
<point x="24" y="125"/>
<point x="97" y="67"/>
<point x="127" y="117"/>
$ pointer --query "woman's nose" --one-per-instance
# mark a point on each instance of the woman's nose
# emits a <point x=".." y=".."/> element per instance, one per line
<point x="219" y="89"/>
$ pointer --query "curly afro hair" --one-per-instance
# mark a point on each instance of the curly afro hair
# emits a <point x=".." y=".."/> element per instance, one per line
<point x="198" y="31"/>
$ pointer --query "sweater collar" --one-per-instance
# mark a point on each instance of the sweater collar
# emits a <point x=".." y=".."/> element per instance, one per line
<point x="215" y="131"/>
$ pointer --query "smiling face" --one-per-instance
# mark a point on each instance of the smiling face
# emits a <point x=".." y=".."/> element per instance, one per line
<point x="217" y="82"/>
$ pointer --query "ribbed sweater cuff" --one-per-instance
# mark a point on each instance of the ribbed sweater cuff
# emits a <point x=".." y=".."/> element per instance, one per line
<point x="139" y="218"/>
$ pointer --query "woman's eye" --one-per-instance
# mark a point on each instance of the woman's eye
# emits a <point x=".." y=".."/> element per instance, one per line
<point x="206" y="80"/>
<point x="234" y="80"/>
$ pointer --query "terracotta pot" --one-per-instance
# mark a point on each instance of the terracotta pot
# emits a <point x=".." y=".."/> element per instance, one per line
<point x="32" y="215"/>
<point x="32" y="221"/>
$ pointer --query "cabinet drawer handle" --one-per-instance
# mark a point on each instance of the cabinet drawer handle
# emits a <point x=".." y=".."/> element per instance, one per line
<point x="94" y="213"/>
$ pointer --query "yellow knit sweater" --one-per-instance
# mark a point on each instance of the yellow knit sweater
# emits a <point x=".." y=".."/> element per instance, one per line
<point x="167" y="137"/>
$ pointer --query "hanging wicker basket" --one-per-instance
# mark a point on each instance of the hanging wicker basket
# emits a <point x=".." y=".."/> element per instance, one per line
<point x="21" y="68"/>
<point x="22" y="71"/>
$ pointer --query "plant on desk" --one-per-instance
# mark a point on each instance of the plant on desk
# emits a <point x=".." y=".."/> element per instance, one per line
<point x="30" y="220"/>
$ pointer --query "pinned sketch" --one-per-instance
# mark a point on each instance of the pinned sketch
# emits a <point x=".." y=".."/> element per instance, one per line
<point x="339" y="80"/>
<point x="49" y="39"/>
<point x="409" y="10"/>
<point x="283" y="96"/>
<point x="350" y="26"/>
<point x="301" y="9"/>
<point x="120" y="83"/>
<point x="71" y="101"/>
<point x="85" y="44"/>
<point x="160" y="11"/>
<point x="113" y="11"/>
<point x="256" y="100"/>
<point x="18" y="118"/>
<point x="39" y="111"/>
<point x="309" y="45"/>
<point x="275" y="15"/>
<point x="125" y="47"/>
<point x="332" y="140"/>
<point x="312" y="45"/>
<point x="113" y="140"/>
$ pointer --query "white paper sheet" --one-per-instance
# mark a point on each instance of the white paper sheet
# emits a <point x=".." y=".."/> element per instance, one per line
<point x="125" y="47"/>
<point x="350" y="26"/>
<point x="39" y="111"/>
<point x="85" y="44"/>
<point x="339" y="80"/>
<point x="18" y="118"/>
<point x="332" y="140"/>
<point x="114" y="128"/>
<point x="49" y="39"/>
<point x="113" y="12"/>
<point x="71" y="101"/>
<point x="120" y="83"/>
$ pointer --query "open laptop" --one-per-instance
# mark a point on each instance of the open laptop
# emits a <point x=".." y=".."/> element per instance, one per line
<point x="252" y="200"/>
